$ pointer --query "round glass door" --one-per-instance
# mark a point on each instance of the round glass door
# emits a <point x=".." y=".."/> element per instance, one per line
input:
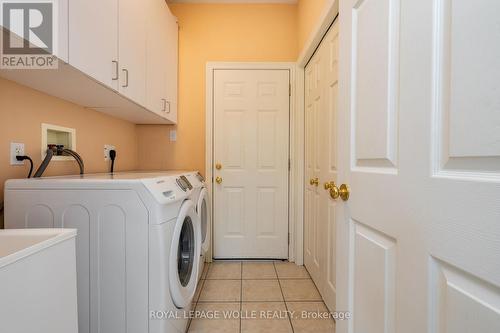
<point x="204" y="217"/>
<point x="184" y="256"/>
<point x="185" y="251"/>
<point x="204" y="220"/>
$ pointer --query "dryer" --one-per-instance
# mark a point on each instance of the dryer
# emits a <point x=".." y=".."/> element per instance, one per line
<point x="138" y="244"/>
<point x="201" y="198"/>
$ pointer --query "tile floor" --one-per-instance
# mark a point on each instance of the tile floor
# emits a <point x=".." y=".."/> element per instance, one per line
<point x="258" y="297"/>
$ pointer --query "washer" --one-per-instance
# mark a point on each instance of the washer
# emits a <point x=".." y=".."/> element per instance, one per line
<point x="200" y="196"/>
<point x="138" y="244"/>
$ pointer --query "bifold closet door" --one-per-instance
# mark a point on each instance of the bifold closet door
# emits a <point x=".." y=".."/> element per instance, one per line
<point x="321" y="85"/>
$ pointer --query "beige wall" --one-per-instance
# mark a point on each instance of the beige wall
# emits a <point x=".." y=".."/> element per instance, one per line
<point x="309" y="11"/>
<point x="22" y="110"/>
<point x="214" y="32"/>
<point x="208" y="32"/>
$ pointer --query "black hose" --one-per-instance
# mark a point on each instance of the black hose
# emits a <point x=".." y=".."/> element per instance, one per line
<point x="48" y="158"/>
<point x="41" y="169"/>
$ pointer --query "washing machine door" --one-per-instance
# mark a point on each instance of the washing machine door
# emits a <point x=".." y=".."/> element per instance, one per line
<point x="204" y="216"/>
<point x="185" y="256"/>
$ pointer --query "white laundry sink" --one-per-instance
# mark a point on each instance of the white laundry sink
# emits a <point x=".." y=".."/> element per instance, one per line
<point x="38" y="281"/>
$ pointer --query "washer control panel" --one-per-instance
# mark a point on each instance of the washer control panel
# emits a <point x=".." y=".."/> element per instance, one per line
<point x="168" y="189"/>
<point x="184" y="183"/>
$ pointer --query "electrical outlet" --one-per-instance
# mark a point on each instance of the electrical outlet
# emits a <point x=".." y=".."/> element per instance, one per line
<point x="16" y="149"/>
<point x="107" y="148"/>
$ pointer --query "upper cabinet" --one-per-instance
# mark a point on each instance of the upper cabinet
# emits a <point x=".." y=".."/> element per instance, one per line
<point x="117" y="56"/>
<point x="132" y="49"/>
<point x="93" y="39"/>
<point x="162" y="62"/>
<point x="172" y="65"/>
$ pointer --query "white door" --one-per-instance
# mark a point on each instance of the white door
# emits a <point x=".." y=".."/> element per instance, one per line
<point x="419" y="124"/>
<point x="132" y="35"/>
<point x="321" y="91"/>
<point x="251" y="122"/>
<point x="93" y="39"/>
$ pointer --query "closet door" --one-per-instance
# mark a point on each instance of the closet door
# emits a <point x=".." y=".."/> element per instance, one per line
<point x="321" y="165"/>
<point x="312" y="220"/>
<point x="419" y="237"/>
<point x="329" y="168"/>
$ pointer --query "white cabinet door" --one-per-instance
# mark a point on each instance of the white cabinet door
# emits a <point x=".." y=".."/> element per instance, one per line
<point x="419" y="238"/>
<point x="93" y="39"/>
<point x="251" y="127"/>
<point x="132" y="49"/>
<point x="156" y="64"/>
<point x="162" y="61"/>
<point x="172" y="66"/>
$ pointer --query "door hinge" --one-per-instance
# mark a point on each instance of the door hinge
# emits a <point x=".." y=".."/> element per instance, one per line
<point x="289" y="164"/>
<point x="289" y="237"/>
<point x="289" y="89"/>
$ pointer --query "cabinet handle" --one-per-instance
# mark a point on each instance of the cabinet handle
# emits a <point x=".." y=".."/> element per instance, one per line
<point x="164" y="105"/>
<point x="126" y="78"/>
<point x="116" y="70"/>
<point x="168" y="102"/>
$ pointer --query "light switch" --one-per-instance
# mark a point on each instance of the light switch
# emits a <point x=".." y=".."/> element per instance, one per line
<point x="173" y="135"/>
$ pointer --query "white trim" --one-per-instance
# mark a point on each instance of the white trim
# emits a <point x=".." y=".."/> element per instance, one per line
<point x="328" y="15"/>
<point x="297" y="173"/>
<point x="295" y="154"/>
<point x="71" y="131"/>
<point x="290" y="2"/>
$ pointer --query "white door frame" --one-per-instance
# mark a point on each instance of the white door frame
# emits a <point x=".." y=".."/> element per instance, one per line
<point x="294" y="153"/>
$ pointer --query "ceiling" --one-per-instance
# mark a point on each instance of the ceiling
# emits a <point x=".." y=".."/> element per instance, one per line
<point x="233" y="1"/>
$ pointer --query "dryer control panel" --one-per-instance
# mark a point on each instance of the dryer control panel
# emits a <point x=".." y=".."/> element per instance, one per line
<point x="196" y="179"/>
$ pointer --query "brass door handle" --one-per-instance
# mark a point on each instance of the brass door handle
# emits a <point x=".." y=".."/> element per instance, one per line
<point x="344" y="192"/>
<point x="314" y="181"/>
<point x="218" y="180"/>
<point x="333" y="189"/>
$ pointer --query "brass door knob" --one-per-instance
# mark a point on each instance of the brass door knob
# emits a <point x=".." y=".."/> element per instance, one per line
<point x="218" y="180"/>
<point x="333" y="189"/>
<point x="344" y="192"/>
<point x="218" y="166"/>
<point x="314" y="181"/>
